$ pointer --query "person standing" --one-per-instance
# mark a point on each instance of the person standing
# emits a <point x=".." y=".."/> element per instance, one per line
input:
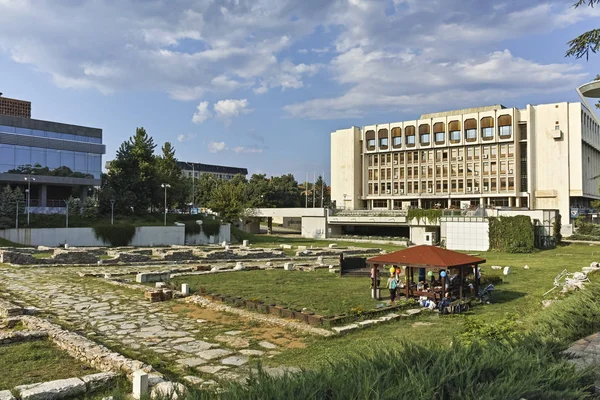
<point x="391" y="285"/>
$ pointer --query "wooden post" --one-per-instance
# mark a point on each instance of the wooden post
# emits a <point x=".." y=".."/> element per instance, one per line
<point x="476" y="270"/>
<point x="406" y="282"/>
<point x="460" y="277"/>
<point x="412" y="280"/>
<point x="443" y="286"/>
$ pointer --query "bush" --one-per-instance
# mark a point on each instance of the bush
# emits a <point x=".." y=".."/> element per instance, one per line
<point x="512" y="234"/>
<point x="116" y="235"/>
<point x="211" y="227"/>
<point x="192" y="228"/>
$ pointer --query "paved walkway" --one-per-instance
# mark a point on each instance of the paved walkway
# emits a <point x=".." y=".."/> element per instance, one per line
<point x="119" y="316"/>
<point x="586" y="352"/>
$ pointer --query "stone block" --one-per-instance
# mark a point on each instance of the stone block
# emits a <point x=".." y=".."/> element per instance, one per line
<point x="506" y="271"/>
<point x="333" y="245"/>
<point x="288" y="266"/>
<point x="140" y="384"/>
<point x="345" y="329"/>
<point x="99" y="381"/>
<point x="168" y="390"/>
<point x="214" y="353"/>
<point x="287" y="246"/>
<point x="6" y="395"/>
<point x="8" y="309"/>
<point x="237" y="361"/>
<point x="246" y="243"/>
<point x="496" y="267"/>
<point x="160" y="284"/>
<point x="193" y="380"/>
<point x="185" y="289"/>
<point x="52" y="390"/>
<point x="334" y="270"/>
<point x="367" y="322"/>
<point x="239" y="266"/>
<point x="141" y="278"/>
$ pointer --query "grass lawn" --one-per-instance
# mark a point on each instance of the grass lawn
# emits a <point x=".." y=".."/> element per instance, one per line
<point x="520" y="295"/>
<point x="7" y="243"/>
<point x="320" y="291"/>
<point x="38" y="361"/>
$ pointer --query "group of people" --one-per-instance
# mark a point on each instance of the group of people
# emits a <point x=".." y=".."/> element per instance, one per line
<point x="398" y="280"/>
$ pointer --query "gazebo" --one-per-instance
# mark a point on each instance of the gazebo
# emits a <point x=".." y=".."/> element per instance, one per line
<point x="457" y="266"/>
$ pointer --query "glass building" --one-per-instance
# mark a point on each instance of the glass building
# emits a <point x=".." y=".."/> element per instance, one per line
<point x="61" y="160"/>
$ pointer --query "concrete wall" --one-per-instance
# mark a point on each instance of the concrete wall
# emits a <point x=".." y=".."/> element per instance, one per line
<point x="84" y="237"/>
<point x="314" y="227"/>
<point x="346" y="168"/>
<point x="223" y="236"/>
<point x="466" y="235"/>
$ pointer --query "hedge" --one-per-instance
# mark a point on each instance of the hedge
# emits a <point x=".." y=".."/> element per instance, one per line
<point x="116" y="235"/>
<point x="512" y="234"/>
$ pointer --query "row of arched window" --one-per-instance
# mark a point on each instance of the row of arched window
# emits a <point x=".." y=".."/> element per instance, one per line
<point x="425" y="132"/>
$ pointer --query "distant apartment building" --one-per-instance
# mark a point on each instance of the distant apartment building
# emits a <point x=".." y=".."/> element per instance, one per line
<point x="544" y="157"/>
<point x="14" y="107"/>
<point x="191" y="169"/>
<point x="55" y="160"/>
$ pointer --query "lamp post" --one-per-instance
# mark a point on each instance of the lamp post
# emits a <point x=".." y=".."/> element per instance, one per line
<point x="165" y="186"/>
<point x="28" y="179"/>
<point x="193" y="187"/>
<point x="67" y="221"/>
<point x="17" y="216"/>
<point x="112" y="211"/>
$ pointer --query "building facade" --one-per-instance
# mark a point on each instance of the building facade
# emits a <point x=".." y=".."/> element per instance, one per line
<point x="14" y="107"/>
<point x="190" y="169"/>
<point x="54" y="160"/>
<point x="541" y="157"/>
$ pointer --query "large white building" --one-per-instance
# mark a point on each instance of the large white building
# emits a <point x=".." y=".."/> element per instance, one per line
<point x="543" y="157"/>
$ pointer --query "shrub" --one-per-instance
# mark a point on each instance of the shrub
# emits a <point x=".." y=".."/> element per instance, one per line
<point x="512" y="234"/>
<point x="192" y="228"/>
<point x="431" y="216"/>
<point x="211" y="227"/>
<point x="116" y="235"/>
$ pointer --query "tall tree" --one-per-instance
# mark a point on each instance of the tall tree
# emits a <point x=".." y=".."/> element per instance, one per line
<point x="588" y="41"/>
<point x="229" y="200"/>
<point x="132" y="180"/>
<point x="205" y="186"/>
<point x="322" y="195"/>
<point x="169" y="172"/>
<point x="285" y="191"/>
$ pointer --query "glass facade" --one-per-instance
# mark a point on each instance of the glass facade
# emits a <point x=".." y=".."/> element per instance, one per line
<point x="48" y="134"/>
<point x="13" y="158"/>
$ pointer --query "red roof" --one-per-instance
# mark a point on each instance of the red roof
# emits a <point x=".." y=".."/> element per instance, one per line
<point x="425" y="255"/>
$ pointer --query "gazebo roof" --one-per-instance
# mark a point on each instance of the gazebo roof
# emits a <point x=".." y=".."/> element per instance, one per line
<point x="425" y="255"/>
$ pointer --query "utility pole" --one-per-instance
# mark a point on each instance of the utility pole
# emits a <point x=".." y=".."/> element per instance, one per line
<point x="165" y="186"/>
<point x="193" y="187"/>
<point x="67" y="203"/>
<point x="313" y="189"/>
<point x="306" y="191"/>
<point x="112" y="211"/>
<point x="322" y="189"/>
<point x="17" y="217"/>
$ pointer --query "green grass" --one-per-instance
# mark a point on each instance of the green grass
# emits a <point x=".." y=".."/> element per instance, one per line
<point x="38" y="361"/>
<point x="320" y="291"/>
<point x="43" y="255"/>
<point x="521" y="294"/>
<point x="8" y="243"/>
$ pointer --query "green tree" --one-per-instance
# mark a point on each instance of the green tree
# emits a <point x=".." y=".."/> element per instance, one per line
<point x="587" y="42"/>
<point x="285" y="191"/>
<point x="228" y="199"/>
<point x="205" y="186"/>
<point x="259" y="191"/>
<point x="169" y="172"/>
<point x="322" y="193"/>
<point x="9" y="198"/>
<point x="132" y="180"/>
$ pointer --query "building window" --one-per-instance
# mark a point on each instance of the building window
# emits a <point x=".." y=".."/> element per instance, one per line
<point x="370" y="136"/>
<point x="487" y="128"/>
<point x="454" y="128"/>
<point x="470" y="130"/>
<point x="383" y="139"/>
<point x="505" y="126"/>
<point x="409" y="131"/>
<point x="438" y="132"/>
<point x="396" y="137"/>
<point x="425" y="134"/>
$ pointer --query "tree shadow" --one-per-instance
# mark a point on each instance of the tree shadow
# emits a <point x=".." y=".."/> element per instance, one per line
<point x="505" y="296"/>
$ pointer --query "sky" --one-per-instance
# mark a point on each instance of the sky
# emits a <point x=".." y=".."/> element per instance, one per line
<point x="261" y="83"/>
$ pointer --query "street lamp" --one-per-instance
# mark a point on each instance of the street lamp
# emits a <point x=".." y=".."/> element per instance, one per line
<point x="165" y="186"/>
<point x="112" y="211"/>
<point x="28" y="179"/>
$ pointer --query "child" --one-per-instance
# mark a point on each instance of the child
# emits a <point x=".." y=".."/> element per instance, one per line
<point x="391" y="284"/>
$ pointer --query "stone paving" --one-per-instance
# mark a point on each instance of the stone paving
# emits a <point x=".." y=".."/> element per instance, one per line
<point x="120" y="317"/>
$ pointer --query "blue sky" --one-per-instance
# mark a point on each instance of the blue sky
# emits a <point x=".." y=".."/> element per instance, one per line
<point x="261" y="83"/>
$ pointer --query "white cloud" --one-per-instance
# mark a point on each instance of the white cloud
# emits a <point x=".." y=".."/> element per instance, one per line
<point x="186" y="137"/>
<point x="202" y="113"/>
<point x="227" y="109"/>
<point x="185" y="49"/>
<point x="216" y="147"/>
<point x="246" y="150"/>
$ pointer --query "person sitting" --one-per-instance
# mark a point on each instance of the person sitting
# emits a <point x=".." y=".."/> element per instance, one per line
<point x="421" y="286"/>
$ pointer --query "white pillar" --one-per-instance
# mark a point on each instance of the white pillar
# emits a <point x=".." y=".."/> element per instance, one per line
<point x="518" y="202"/>
<point x="185" y="289"/>
<point x="510" y="201"/>
<point x="481" y="202"/>
<point x="140" y="384"/>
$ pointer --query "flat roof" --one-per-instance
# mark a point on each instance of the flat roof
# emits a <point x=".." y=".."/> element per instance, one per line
<point x="463" y="111"/>
<point x="29" y="123"/>
<point x="184" y="165"/>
